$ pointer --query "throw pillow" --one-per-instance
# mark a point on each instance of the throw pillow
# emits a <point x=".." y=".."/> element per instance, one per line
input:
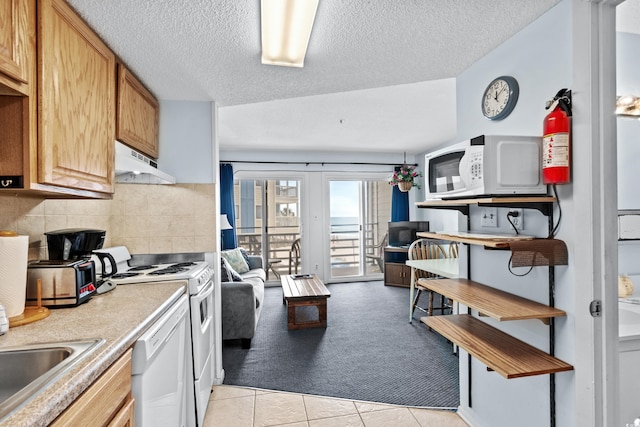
<point x="236" y="260"/>
<point x="227" y="273"/>
<point x="245" y="255"/>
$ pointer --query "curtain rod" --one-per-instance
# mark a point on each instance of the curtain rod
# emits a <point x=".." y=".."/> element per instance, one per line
<point x="311" y="163"/>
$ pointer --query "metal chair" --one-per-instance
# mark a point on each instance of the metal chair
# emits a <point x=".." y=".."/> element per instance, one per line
<point x="429" y="249"/>
<point x="378" y="255"/>
<point x="294" y="256"/>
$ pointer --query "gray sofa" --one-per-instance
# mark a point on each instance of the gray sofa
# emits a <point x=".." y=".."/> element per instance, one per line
<point x="242" y="303"/>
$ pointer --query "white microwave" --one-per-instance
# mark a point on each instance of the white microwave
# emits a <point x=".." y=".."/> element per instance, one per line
<point x="487" y="165"/>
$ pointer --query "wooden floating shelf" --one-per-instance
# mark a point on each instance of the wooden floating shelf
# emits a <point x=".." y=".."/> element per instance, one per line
<point x="501" y="352"/>
<point x="491" y="302"/>
<point x="490" y="240"/>
<point x="485" y="200"/>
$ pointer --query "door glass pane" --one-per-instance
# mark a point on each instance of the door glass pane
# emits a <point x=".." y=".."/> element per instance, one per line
<point x="359" y="213"/>
<point x="248" y="196"/>
<point x="268" y="222"/>
<point x="345" y="228"/>
<point x="377" y="214"/>
<point x="283" y="228"/>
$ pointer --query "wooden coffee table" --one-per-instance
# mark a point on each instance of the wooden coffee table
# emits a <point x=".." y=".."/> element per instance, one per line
<point x="300" y="290"/>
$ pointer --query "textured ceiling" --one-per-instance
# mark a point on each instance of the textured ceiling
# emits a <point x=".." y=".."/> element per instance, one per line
<point x="398" y="56"/>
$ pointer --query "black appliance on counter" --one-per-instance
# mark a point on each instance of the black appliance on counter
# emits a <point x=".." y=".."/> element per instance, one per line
<point x="68" y="277"/>
<point x="73" y="243"/>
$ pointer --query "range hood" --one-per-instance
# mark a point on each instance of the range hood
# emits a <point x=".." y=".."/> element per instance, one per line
<point x="133" y="167"/>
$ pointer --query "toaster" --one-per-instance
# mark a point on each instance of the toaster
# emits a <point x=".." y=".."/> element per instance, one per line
<point x="63" y="283"/>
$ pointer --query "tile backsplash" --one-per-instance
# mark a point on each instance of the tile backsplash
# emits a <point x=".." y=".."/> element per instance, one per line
<point x="144" y="218"/>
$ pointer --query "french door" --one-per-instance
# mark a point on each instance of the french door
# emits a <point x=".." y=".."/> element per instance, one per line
<point x="359" y="211"/>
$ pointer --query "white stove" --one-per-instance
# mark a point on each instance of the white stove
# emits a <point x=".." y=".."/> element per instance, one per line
<point x="118" y="267"/>
<point x="161" y="273"/>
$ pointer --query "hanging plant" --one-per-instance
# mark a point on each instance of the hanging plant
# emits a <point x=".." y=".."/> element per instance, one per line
<point x="404" y="177"/>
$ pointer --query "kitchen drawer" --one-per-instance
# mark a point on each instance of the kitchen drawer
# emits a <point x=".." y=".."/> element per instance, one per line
<point x="124" y="418"/>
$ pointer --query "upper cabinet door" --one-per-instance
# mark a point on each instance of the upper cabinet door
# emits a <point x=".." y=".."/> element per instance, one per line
<point x="76" y="114"/>
<point x="138" y="111"/>
<point x="16" y="36"/>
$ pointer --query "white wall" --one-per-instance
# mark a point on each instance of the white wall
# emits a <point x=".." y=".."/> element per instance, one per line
<point x="539" y="57"/>
<point x="186" y="141"/>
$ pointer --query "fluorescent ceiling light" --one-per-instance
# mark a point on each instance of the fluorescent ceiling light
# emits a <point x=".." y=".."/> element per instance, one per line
<point x="286" y="28"/>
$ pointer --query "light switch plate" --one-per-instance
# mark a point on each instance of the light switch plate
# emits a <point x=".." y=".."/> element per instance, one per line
<point x="489" y="217"/>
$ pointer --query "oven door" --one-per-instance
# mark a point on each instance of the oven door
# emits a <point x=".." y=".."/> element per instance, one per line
<point x="202" y="327"/>
<point x="202" y="336"/>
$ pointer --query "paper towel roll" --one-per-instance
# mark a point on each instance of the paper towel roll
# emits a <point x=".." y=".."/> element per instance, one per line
<point x="14" y="252"/>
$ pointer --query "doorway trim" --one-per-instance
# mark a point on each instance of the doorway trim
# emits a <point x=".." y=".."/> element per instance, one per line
<point x="595" y="166"/>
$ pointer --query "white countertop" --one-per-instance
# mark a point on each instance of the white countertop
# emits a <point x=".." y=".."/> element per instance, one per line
<point x="119" y="317"/>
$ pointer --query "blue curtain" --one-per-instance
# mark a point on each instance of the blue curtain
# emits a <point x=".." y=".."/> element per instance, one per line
<point x="399" y="205"/>
<point x="227" y="205"/>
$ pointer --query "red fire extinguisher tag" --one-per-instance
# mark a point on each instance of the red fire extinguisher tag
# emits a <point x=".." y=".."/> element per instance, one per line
<point x="555" y="147"/>
<point x="556" y="150"/>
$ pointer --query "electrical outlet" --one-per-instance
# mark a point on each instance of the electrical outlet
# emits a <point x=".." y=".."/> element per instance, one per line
<point x="489" y="217"/>
<point x="517" y="218"/>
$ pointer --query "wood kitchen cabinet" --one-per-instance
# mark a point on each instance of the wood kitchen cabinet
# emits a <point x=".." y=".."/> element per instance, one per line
<point x="107" y="402"/>
<point x="18" y="96"/>
<point x="137" y="114"/>
<point x="76" y="93"/>
<point x="57" y="136"/>
<point x="17" y="44"/>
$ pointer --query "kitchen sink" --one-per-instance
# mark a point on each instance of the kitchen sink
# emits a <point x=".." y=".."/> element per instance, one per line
<point x="26" y="370"/>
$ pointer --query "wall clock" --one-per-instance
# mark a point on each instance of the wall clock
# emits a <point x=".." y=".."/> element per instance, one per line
<point x="500" y="98"/>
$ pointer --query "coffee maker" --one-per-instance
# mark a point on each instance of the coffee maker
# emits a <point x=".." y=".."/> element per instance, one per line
<point x="73" y="243"/>
<point x="68" y="277"/>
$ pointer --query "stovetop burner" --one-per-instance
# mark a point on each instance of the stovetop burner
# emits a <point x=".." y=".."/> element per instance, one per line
<point x="142" y="267"/>
<point x="169" y="270"/>
<point x="124" y="275"/>
<point x="183" y="264"/>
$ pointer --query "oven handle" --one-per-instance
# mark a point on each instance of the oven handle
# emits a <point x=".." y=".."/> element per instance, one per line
<point x="197" y="299"/>
<point x="208" y="290"/>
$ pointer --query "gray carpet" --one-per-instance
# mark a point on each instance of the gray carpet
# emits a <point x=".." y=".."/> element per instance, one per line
<point x="368" y="351"/>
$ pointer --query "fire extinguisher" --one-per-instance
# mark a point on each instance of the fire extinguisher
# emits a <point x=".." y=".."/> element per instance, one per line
<point x="556" y="150"/>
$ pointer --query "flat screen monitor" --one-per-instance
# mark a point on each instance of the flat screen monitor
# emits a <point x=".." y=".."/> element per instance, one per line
<point x="403" y="233"/>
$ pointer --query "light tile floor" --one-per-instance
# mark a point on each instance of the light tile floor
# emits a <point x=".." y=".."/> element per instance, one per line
<point x="232" y="406"/>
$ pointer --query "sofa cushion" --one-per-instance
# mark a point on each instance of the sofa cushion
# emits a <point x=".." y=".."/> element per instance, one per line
<point x="258" y="272"/>
<point x="236" y="260"/>
<point x="258" y="289"/>
<point x="255" y="262"/>
<point x="245" y="255"/>
<point x="227" y="273"/>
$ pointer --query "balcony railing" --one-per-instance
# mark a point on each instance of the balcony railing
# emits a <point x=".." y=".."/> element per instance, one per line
<point x="344" y="252"/>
